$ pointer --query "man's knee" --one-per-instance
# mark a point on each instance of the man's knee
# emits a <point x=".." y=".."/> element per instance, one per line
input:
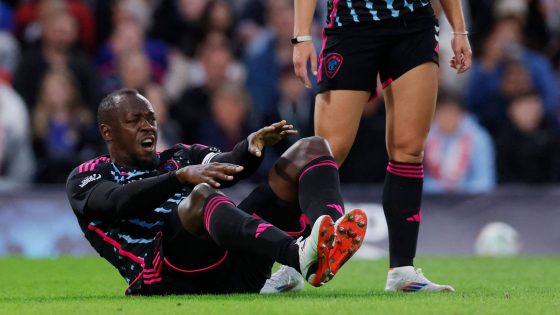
<point x="291" y="163"/>
<point x="191" y="209"/>
<point x="308" y="149"/>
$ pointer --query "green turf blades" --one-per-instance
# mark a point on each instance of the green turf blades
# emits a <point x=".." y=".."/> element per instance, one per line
<point x="527" y="285"/>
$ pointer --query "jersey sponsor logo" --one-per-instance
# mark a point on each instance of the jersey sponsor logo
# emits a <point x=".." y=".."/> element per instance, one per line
<point x="89" y="179"/>
<point x="333" y="62"/>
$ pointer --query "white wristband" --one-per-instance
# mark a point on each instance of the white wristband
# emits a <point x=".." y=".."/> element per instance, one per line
<point x="303" y="38"/>
<point x="460" y="33"/>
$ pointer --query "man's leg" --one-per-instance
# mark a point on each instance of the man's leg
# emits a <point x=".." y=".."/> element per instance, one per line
<point x="307" y="173"/>
<point x="208" y="214"/>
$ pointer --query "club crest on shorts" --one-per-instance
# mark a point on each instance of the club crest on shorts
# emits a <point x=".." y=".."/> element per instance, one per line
<point x="332" y="64"/>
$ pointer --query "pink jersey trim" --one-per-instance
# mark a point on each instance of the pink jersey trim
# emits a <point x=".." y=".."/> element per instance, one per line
<point x="219" y="262"/>
<point x="116" y="245"/>
<point x="333" y="13"/>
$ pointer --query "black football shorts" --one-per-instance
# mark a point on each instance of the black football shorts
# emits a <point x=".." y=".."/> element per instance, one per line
<point x="353" y="56"/>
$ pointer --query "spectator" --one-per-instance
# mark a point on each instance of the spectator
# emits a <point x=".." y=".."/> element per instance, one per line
<point x="187" y="73"/>
<point x="28" y="24"/>
<point x="230" y="112"/>
<point x="63" y="128"/>
<point x="178" y="22"/>
<point x="270" y="50"/>
<point x="57" y="50"/>
<point x="9" y="56"/>
<point x="528" y="146"/>
<point x="134" y="70"/>
<point x="215" y="63"/>
<point x="169" y="131"/>
<point x="295" y="105"/>
<point x="459" y="155"/>
<point x="17" y="163"/>
<point x="127" y="36"/>
<point x="505" y="45"/>
<point x="218" y="16"/>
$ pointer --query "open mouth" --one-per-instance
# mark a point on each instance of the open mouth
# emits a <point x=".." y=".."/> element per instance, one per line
<point x="148" y="143"/>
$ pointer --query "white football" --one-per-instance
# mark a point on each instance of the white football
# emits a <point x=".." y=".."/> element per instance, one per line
<point x="498" y="239"/>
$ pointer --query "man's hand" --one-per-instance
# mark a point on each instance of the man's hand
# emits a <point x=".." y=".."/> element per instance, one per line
<point x="269" y="135"/>
<point x="208" y="173"/>
<point x="304" y="52"/>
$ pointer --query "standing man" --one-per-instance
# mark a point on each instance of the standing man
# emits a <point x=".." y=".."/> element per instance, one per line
<point x="397" y="40"/>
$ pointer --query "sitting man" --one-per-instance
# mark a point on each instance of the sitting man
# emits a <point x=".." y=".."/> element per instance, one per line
<point x="160" y="220"/>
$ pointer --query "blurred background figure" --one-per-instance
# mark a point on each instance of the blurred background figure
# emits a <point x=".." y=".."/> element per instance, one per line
<point x="295" y="105"/>
<point x="29" y="27"/>
<point x="228" y="125"/>
<point x="128" y="36"/>
<point x="134" y="71"/>
<point x="214" y="67"/>
<point x="179" y="23"/>
<point x="9" y="56"/>
<point x="528" y="145"/>
<point x="266" y="55"/>
<point x="64" y="130"/>
<point x="367" y="160"/>
<point x="57" y="49"/>
<point x="17" y="162"/>
<point x="460" y="155"/>
<point x="169" y="131"/>
<point x="503" y="46"/>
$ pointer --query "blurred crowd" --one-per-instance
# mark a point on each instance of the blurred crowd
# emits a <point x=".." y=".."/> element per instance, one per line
<point x="215" y="70"/>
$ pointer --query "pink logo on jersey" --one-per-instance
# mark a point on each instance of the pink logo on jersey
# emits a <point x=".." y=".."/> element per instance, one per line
<point x="332" y="64"/>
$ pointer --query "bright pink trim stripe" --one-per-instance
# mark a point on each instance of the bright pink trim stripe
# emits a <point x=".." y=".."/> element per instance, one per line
<point x="324" y="163"/>
<point x="261" y="228"/>
<point x="90" y="165"/>
<point x="333" y="13"/>
<point x="116" y="245"/>
<point x="395" y="165"/>
<point x="152" y="280"/>
<point x="386" y="83"/>
<point x="337" y="208"/>
<point x="320" y="66"/>
<point x="418" y="172"/>
<point x="133" y="282"/>
<point x="211" y="206"/>
<point x="155" y="263"/>
<point x="219" y="262"/>
<point x="303" y="223"/>
<point x="390" y="170"/>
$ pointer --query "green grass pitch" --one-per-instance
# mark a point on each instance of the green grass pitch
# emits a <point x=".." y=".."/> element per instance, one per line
<point x="527" y="285"/>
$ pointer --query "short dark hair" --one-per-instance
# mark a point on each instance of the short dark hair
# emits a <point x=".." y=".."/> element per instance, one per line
<point x="110" y="102"/>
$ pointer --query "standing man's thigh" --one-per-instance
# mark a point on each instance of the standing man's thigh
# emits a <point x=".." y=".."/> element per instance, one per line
<point x="410" y="104"/>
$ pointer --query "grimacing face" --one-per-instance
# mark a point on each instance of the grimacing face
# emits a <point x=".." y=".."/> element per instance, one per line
<point x="133" y="132"/>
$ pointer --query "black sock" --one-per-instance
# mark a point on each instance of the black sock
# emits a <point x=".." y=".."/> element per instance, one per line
<point x="319" y="189"/>
<point x="263" y="203"/>
<point x="402" y="195"/>
<point x="233" y="229"/>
